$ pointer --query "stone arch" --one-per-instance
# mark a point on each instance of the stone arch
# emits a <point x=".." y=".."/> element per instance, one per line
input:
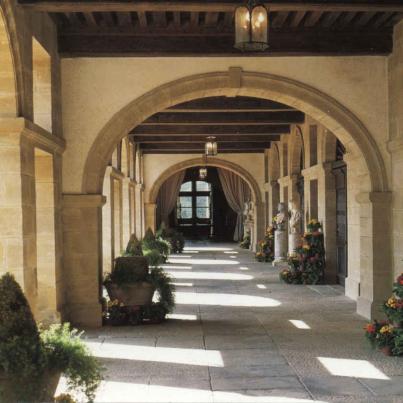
<point x="213" y="162"/>
<point x="274" y="163"/>
<point x="324" y="109"/>
<point x="10" y="105"/>
<point x="329" y="146"/>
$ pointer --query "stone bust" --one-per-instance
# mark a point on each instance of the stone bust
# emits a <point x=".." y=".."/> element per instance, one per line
<point x="281" y="216"/>
<point x="294" y="217"/>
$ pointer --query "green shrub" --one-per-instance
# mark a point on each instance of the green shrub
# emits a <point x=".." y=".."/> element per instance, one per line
<point x="154" y="257"/>
<point x="26" y="353"/>
<point x="67" y="353"/>
<point x="150" y="242"/>
<point x="128" y="270"/>
<point x="21" y="352"/>
<point x="162" y="283"/>
<point x="133" y="247"/>
<point x="174" y="238"/>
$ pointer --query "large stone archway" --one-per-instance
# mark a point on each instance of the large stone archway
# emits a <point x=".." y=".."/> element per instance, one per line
<point x="324" y="109"/>
<point x="213" y="162"/>
<point x="372" y="237"/>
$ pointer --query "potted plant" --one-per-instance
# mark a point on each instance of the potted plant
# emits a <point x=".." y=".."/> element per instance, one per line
<point x="398" y="343"/>
<point x="245" y="243"/>
<point x="151" y="242"/>
<point x="31" y="361"/>
<point x="173" y="237"/>
<point x="393" y="309"/>
<point x="385" y="339"/>
<point x="128" y="283"/>
<point x="133" y="247"/>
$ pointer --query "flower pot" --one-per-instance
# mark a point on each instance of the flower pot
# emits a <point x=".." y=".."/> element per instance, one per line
<point x="387" y="350"/>
<point x="46" y="390"/>
<point x="140" y="293"/>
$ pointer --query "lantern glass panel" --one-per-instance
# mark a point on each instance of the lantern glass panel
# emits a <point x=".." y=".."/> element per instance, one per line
<point x="259" y="25"/>
<point x="242" y="26"/>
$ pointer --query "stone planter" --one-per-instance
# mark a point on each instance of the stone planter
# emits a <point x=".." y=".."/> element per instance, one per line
<point x="48" y="382"/>
<point x="140" y="293"/>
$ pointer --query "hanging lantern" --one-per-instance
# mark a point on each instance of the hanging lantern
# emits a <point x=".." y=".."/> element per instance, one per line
<point x="251" y="27"/>
<point x="211" y="146"/>
<point x="203" y="173"/>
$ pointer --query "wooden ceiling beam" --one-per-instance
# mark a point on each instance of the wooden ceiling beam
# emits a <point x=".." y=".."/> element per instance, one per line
<point x="202" y="139"/>
<point x="200" y="151"/>
<point x="203" y="130"/>
<point x="56" y="6"/>
<point x="200" y="146"/>
<point x="306" y="43"/>
<point x="223" y="118"/>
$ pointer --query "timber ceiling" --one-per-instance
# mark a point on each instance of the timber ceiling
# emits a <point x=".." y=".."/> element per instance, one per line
<point x="194" y="28"/>
<point x="240" y="125"/>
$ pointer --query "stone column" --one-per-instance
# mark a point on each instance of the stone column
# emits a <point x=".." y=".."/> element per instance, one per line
<point x="376" y="275"/>
<point x="281" y="239"/>
<point x="327" y="215"/>
<point x="138" y="213"/>
<point x="274" y="197"/>
<point x="150" y="210"/>
<point x="125" y="211"/>
<point x="82" y="236"/>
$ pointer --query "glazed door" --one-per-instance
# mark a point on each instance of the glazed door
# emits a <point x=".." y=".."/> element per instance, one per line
<point x="340" y="173"/>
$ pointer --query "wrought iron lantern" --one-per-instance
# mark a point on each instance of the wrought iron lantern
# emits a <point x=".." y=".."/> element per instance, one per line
<point x="211" y="146"/>
<point x="251" y="27"/>
<point x="203" y="173"/>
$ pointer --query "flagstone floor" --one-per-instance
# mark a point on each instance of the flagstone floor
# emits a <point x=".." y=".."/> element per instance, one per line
<point x="239" y="335"/>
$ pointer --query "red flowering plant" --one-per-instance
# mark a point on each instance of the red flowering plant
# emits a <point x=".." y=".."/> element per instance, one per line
<point x="266" y="247"/>
<point x="372" y="330"/>
<point x="308" y="263"/>
<point x="398" y="287"/>
<point x="393" y="309"/>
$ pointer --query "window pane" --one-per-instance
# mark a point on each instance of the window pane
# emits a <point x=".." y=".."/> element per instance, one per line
<point x="203" y="201"/>
<point x="186" y="187"/>
<point x="185" y="201"/>
<point x="185" y="213"/>
<point x="203" y="186"/>
<point x="203" y="212"/>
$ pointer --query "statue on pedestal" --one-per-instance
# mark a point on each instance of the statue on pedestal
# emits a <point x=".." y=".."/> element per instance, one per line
<point x="294" y="235"/>
<point x="280" y="235"/>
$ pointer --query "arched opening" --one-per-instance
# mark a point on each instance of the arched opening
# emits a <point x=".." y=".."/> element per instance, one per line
<point x="8" y="89"/>
<point x="371" y="191"/>
<point x="204" y="208"/>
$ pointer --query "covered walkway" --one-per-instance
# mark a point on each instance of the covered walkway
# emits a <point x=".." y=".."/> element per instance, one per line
<point x="239" y="335"/>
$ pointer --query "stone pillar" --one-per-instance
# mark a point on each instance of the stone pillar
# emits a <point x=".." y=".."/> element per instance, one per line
<point x="138" y="213"/>
<point x="281" y="239"/>
<point x="274" y="197"/>
<point x="125" y="211"/>
<point x="107" y="222"/>
<point x="82" y="236"/>
<point x="375" y="252"/>
<point x="258" y="225"/>
<point x="150" y="212"/>
<point x="17" y="208"/>
<point x="327" y="215"/>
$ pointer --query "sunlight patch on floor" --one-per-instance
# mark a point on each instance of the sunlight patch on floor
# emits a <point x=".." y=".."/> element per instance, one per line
<point x="188" y="298"/>
<point x="165" y="266"/>
<point x="196" y="275"/>
<point x="187" y="356"/>
<point x="261" y="286"/>
<point x="352" y="368"/>
<point x="211" y="262"/>
<point x="208" y="249"/>
<point x="231" y="252"/>
<point x="182" y="284"/>
<point x="244" y="268"/>
<point x="181" y="316"/>
<point x="299" y="324"/>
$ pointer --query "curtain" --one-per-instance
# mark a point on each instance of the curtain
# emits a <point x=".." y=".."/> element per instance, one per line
<point x="167" y="196"/>
<point x="237" y="193"/>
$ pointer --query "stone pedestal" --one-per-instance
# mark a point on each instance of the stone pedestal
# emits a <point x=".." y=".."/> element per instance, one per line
<point x="294" y="239"/>
<point x="280" y="246"/>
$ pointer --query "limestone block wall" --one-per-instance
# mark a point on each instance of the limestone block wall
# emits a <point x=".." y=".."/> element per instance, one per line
<point x="86" y="93"/>
<point x="118" y="212"/>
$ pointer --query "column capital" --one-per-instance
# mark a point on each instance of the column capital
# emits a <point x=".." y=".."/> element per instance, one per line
<point x="139" y="186"/>
<point x="12" y="130"/>
<point x="83" y="200"/>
